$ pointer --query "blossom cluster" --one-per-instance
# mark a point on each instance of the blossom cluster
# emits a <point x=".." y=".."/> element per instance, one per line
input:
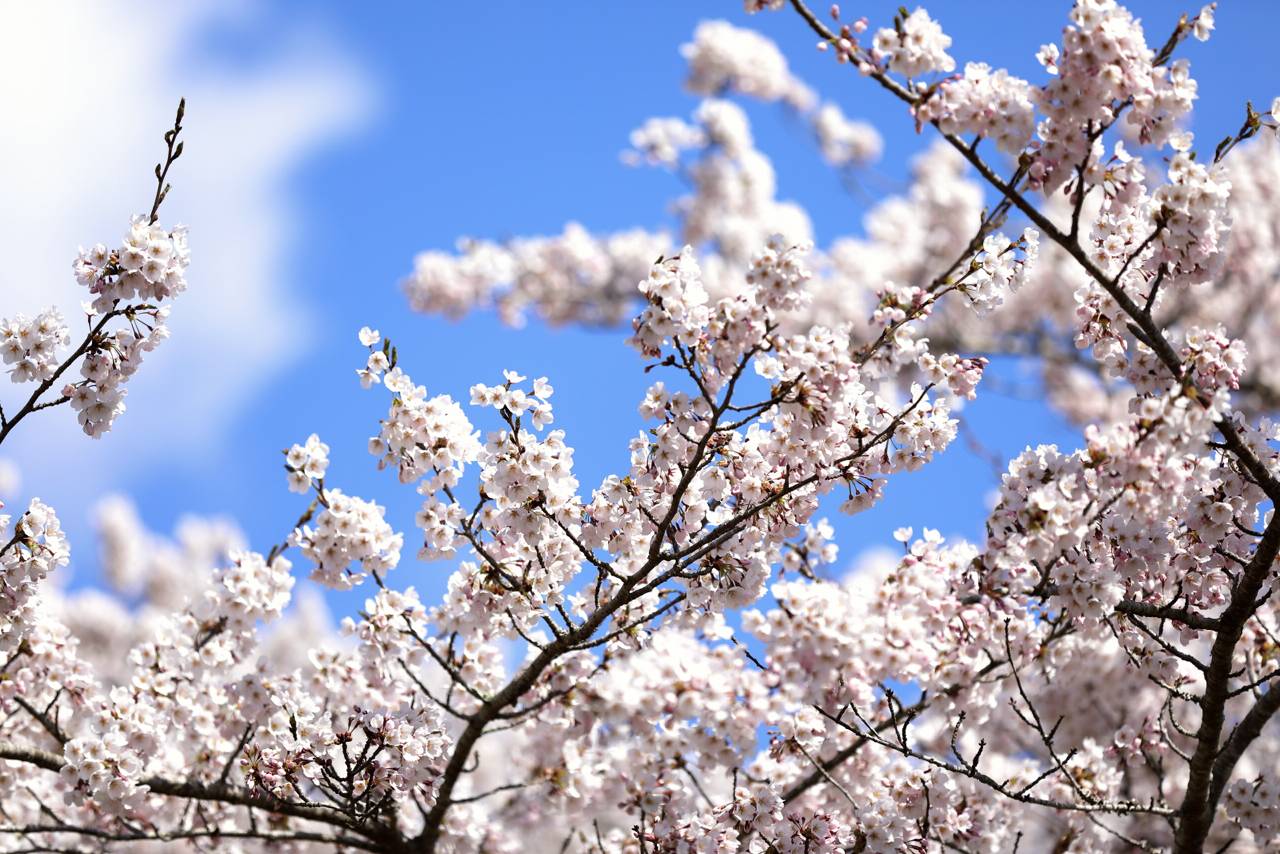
<point x="551" y="273"/>
<point x="130" y="281"/>
<point x="1190" y="213"/>
<point x="723" y="57"/>
<point x="149" y="265"/>
<point x="32" y="344"/>
<point x="427" y="440"/>
<point x="845" y="141"/>
<point x="990" y="103"/>
<point x="349" y="530"/>
<point x="997" y="272"/>
<point x="532" y="497"/>
<point x="306" y="463"/>
<point x="1255" y="806"/>
<point x="661" y="140"/>
<point x="915" y="45"/>
<point x="248" y="590"/>
<point x="36" y="546"/>
<point x="106" y="771"/>
<point x="301" y="745"/>
<point x="1103" y="64"/>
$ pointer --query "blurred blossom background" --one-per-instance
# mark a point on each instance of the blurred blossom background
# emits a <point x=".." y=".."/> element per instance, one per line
<point x="327" y="143"/>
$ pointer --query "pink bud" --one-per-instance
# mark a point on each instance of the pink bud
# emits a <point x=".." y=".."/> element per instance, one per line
<point x="835" y="11"/>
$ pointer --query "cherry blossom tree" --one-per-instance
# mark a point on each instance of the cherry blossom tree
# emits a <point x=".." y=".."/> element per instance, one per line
<point x="666" y="661"/>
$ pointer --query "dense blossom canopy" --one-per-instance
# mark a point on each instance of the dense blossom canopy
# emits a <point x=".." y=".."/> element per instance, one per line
<point x="664" y="661"/>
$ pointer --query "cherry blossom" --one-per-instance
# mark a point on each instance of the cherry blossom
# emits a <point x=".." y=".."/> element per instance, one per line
<point x="672" y="657"/>
<point x="915" y="45"/>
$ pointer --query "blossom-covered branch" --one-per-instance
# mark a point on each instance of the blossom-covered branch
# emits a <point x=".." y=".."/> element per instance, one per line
<point x="129" y="282"/>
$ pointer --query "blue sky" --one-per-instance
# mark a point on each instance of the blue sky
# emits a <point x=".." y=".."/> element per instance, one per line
<point x="493" y="120"/>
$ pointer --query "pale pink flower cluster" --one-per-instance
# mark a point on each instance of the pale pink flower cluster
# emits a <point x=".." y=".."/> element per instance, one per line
<point x="105" y="768"/>
<point x="379" y="358"/>
<point x="135" y="562"/>
<point x="1104" y="63"/>
<point x="1216" y="360"/>
<point x="678" y="306"/>
<point x="306" y="463"/>
<point x="424" y="439"/>
<point x="148" y="268"/>
<point x="814" y="550"/>
<point x="778" y="275"/>
<point x="1255" y="806"/>
<point x="992" y="104"/>
<point x="36" y="546"/>
<point x="1042" y="519"/>
<point x="915" y="45"/>
<point x="824" y="405"/>
<point x="1157" y="246"/>
<point x="349" y="530"/>
<point x="661" y="140"/>
<point x="248" y="590"/>
<point x="844" y="141"/>
<point x="384" y="629"/>
<point x="998" y="271"/>
<point x="532" y="510"/>
<point x="188" y="653"/>
<point x="149" y="265"/>
<point x="555" y="274"/>
<point x="32" y="344"/>
<point x="302" y="746"/>
<point x="1191" y="213"/>
<point x="1203" y="23"/>
<point x="956" y="373"/>
<point x="732" y="204"/>
<point x="724" y="58"/>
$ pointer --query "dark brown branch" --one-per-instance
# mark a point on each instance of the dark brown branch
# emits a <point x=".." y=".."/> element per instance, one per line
<point x="386" y="837"/>
<point x="173" y="153"/>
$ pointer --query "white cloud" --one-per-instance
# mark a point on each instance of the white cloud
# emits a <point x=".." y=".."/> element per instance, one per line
<point x="87" y="90"/>
<point x="871" y="561"/>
